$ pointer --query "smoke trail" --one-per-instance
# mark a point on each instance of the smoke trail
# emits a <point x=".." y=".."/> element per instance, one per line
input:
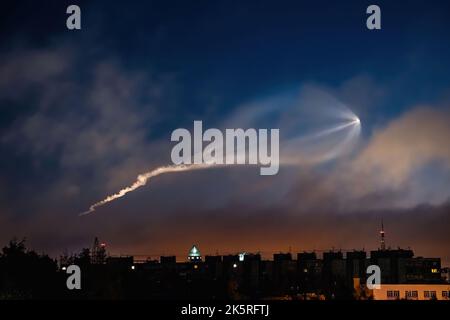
<point x="142" y="181"/>
<point x="295" y="157"/>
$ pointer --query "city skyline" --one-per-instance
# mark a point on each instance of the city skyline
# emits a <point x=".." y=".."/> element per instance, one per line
<point x="268" y="255"/>
<point x="382" y="274"/>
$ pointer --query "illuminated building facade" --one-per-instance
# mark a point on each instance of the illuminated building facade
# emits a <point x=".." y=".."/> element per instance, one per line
<point x="412" y="292"/>
<point x="194" y="254"/>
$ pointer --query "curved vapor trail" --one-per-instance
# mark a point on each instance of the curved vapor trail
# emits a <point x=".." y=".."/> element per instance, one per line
<point x="141" y="181"/>
<point x="329" y="131"/>
<point x="335" y="129"/>
<point x="296" y="147"/>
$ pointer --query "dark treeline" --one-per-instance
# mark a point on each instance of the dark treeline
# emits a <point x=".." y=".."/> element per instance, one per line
<point x="25" y="274"/>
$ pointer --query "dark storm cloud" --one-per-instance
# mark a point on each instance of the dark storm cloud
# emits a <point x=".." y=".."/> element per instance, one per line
<point x="81" y="122"/>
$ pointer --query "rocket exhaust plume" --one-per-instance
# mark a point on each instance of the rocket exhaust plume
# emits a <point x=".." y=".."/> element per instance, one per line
<point x="294" y="156"/>
<point x="142" y="180"/>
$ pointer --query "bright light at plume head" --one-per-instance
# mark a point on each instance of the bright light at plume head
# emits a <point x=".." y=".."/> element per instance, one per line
<point x="356" y="121"/>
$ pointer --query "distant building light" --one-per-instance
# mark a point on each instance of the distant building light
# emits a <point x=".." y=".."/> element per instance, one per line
<point x="434" y="270"/>
<point x="194" y="254"/>
<point x="234" y="265"/>
<point x="242" y="256"/>
<point x="195" y="266"/>
<point x="64" y="268"/>
<point x="133" y="267"/>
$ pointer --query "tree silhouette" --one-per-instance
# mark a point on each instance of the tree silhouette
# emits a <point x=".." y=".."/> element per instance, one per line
<point x="25" y="274"/>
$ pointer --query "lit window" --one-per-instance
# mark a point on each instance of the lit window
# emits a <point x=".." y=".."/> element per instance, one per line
<point x="393" y="294"/>
<point x="434" y="270"/>
<point x="411" y="294"/>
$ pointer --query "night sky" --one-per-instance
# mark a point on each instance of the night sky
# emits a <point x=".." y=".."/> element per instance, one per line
<point x="84" y="112"/>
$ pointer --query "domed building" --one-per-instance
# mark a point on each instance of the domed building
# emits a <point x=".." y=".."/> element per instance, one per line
<point x="194" y="254"/>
